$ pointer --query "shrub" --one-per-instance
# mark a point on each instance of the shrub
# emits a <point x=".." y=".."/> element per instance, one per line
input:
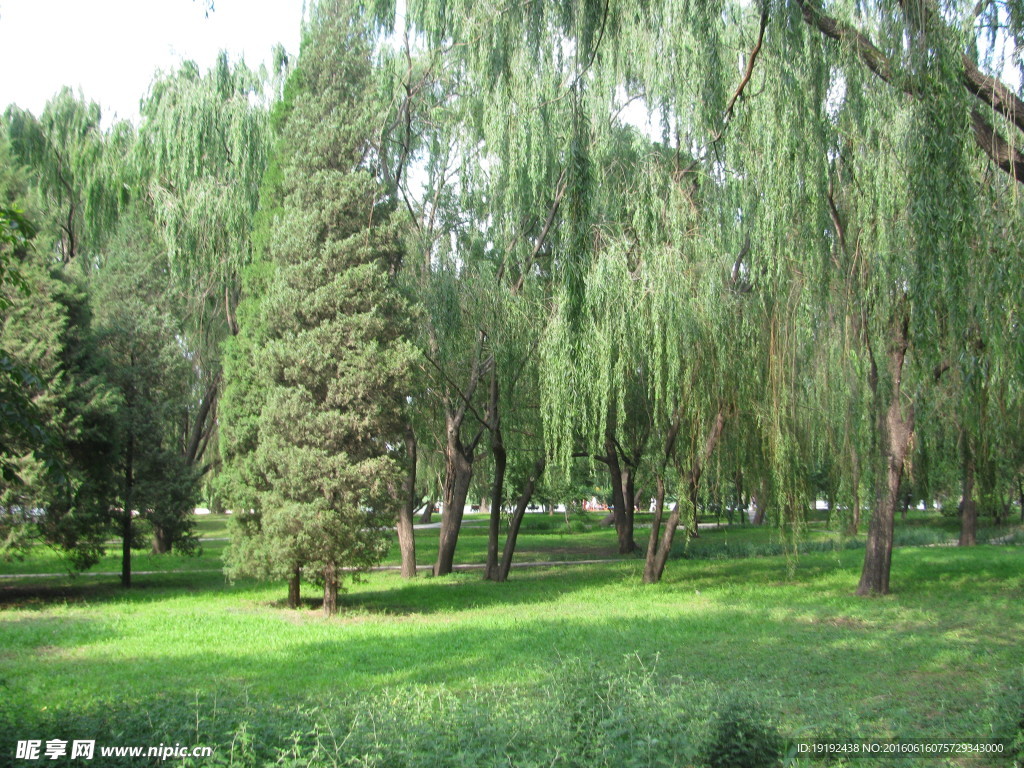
<point x="741" y="737"/>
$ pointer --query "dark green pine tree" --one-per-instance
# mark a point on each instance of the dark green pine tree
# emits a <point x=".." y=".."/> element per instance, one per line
<point x="57" y="414"/>
<point x="337" y="355"/>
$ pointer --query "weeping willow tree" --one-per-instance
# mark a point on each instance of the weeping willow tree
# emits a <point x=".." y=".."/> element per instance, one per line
<point x="484" y="222"/>
<point x="201" y="155"/>
<point x="830" y="176"/>
<point x="79" y="168"/>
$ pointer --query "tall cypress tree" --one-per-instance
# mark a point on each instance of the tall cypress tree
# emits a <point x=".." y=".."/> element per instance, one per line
<point x="337" y="356"/>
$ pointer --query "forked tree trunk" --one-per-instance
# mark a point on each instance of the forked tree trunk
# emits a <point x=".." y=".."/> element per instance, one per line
<point x="330" y="590"/>
<point x="655" y="565"/>
<point x="458" y="474"/>
<point x="293" y="588"/>
<point x="623" y="526"/>
<point x="968" y="507"/>
<point x="659" y="496"/>
<point x="898" y="428"/>
<point x="517" y="519"/>
<point x="406" y="534"/>
<point x="652" y="541"/>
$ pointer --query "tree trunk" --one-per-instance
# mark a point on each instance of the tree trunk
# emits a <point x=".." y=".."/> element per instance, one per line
<point x="458" y="474"/>
<point x="758" y="510"/>
<point x="330" y="590"/>
<point x="655" y="565"/>
<point x="517" y="519"/>
<point x="623" y="527"/>
<point x="905" y="499"/>
<point x="874" y="579"/>
<point x="652" y="542"/>
<point x="854" y="527"/>
<point x="1020" y="498"/>
<point x="126" y="518"/>
<point x="738" y="484"/>
<point x="968" y="507"/>
<point x="428" y="513"/>
<point x="161" y="541"/>
<point x="293" y="588"/>
<point x="628" y="477"/>
<point x="497" y="494"/>
<point x="406" y="534"/>
<point x="498" y="481"/>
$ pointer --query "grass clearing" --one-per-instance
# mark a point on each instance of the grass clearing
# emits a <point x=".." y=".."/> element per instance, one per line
<point x="208" y="660"/>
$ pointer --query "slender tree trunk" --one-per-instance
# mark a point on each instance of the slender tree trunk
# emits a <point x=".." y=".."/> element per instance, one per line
<point x="497" y="494"/>
<point x="908" y="496"/>
<point x="655" y="566"/>
<point x="968" y="507"/>
<point x="517" y="519"/>
<point x="458" y="474"/>
<point x="652" y="542"/>
<point x="854" y="528"/>
<point x="498" y="481"/>
<point x="740" y="506"/>
<point x="406" y="534"/>
<point x="628" y="477"/>
<point x="1020" y="498"/>
<point x="428" y="513"/>
<point x="758" y="509"/>
<point x="126" y="518"/>
<point x="898" y="428"/>
<point x="293" y="588"/>
<point x="330" y="590"/>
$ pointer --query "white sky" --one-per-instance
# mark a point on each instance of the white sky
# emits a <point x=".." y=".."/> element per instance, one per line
<point x="111" y="49"/>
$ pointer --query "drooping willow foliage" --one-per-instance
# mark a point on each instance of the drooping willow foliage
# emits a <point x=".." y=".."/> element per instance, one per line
<point x="793" y="239"/>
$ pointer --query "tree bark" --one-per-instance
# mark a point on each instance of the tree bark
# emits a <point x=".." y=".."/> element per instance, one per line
<point x="659" y="498"/>
<point x="406" y="534"/>
<point x="655" y="566"/>
<point x="293" y="588"/>
<point x="517" y="519"/>
<point x="428" y="513"/>
<point x="623" y="526"/>
<point x="126" y="518"/>
<point x="330" y="590"/>
<point x="628" y="477"/>
<point x="498" y="482"/>
<point x="161" y="541"/>
<point x="497" y="493"/>
<point x="968" y="507"/>
<point x="897" y="427"/>
<point x="854" y="527"/>
<point x="1020" y="498"/>
<point x="758" y="510"/>
<point x="458" y="474"/>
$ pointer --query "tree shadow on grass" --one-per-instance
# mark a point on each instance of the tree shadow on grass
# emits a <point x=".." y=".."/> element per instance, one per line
<point x="93" y="589"/>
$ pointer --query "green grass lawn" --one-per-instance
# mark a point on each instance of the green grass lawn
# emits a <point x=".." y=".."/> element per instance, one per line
<point x="192" y="658"/>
